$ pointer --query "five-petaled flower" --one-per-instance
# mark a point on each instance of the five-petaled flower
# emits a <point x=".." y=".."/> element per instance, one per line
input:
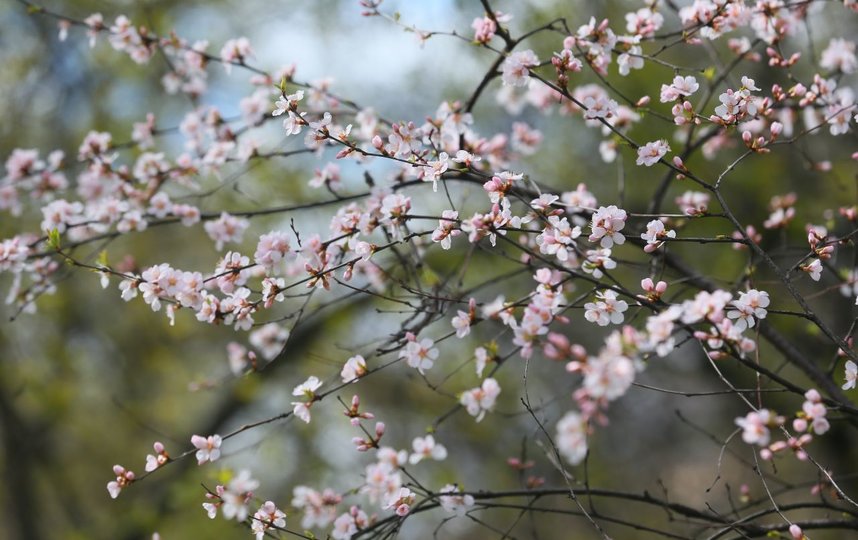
<point x="208" y="448"/>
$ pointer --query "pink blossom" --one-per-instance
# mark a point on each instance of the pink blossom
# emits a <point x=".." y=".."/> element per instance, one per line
<point x="851" y="375"/>
<point x="515" y="67"/>
<point x="269" y="340"/>
<point x="208" y="448"/>
<point x="655" y="235"/>
<point x="354" y="368"/>
<point x="225" y="229"/>
<point x="755" y="426"/>
<point x="571" y="437"/>
<point x="680" y="87"/>
<point x="814" y="269"/>
<point x="237" y="495"/>
<point x="235" y="51"/>
<point x="349" y="523"/>
<point x="267" y="517"/>
<point x="159" y="459"/>
<point x="557" y="238"/>
<point x="123" y="479"/>
<point x="478" y="401"/>
<point x="462" y="321"/>
<point x="813" y="411"/>
<point x="271" y="249"/>
<point x="749" y="306"/>
<point x="606" y="224"/>
<point x="652" y="152"/>
<point x="693" y="203"/>
<point x="425" y="448"/>
<point x="606" y="309"/>
<point x="839" y="56"/>
<point x="419" y="354"/>
<point x="453" y="502"/>
<point x="447" y="228"/>
<point x="401" y="502"/>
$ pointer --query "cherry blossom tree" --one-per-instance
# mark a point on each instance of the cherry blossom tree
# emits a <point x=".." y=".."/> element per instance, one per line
<point x="532" y="295"/>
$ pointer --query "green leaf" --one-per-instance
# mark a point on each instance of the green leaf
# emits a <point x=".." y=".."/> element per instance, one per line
<point x="54" y="239"/>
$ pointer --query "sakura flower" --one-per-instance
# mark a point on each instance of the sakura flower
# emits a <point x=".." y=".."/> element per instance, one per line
<point x="557" y="238"/>
<point x="812" y="414"/>
<point x="600" y="106"/>
<point x="307" y="389"/>
<point x="349" y="523"/>
<point x="123" y="479"/>
<point x="419" y="354"/>
<point x="608" y="375"/>
<point x="60" y="214"/>
<point x="293" y="123"/>
<point x="271" y="249"/>
<point x="237" y="494"/>
<point x="630" y="60"/>
<point x="447" y="228"/>
<point x="755" y="426"/>
<point x="515" y="68"/>
<point x="462" y="321"/>
<point x="814" y="269"/>
<point x="693" y="203"/>
<point x="354" y="368"/>
<point x="434" y="169"/>
<point x="453" y="503"/>
<point x="320" y="509"/>
<point x="239" y="358"/>
<point x="401" y="502"/>
<point x="267" y="517"/>
<point x="227" y="228"/>
<point x="851" y="375"/>
<point x="650" y="153"/>
<point x="208" y="448"/>
<point x="655" y="235"/>
<point x="571" y="437"/>
<point x="287" y="103"/>
<point x="705" y="305"/>
<point x="607" y="222"/>
<point x="159" y="459"/>
<point x="235" y="51"/>
<point x="840" y="56"/>
<point x="606" y="309"/>
<point x="478" y="401"/>
<point x="681" y="87"/>
<point x="749" y="306"/>
<point x="644" y="22"/>
<point x="597" y="260"/>
<point x="269" y="340"/>
<point x="482" y="357"/>
<point x="426" y="447"/>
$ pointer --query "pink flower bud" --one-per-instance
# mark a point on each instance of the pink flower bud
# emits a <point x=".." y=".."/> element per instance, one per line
<point x="795" y="531"/>
<point x="776" y="129"/>
<point x="379" y="429"/>
<point x="377" y="142"/>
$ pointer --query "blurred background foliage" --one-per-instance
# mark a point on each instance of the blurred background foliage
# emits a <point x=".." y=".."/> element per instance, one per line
<point x="89" y="380"/>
